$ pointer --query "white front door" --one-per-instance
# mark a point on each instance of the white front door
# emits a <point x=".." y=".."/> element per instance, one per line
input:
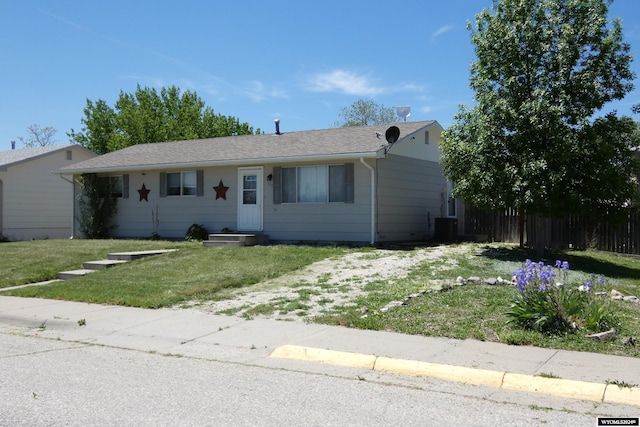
<point x="250" y="199"/>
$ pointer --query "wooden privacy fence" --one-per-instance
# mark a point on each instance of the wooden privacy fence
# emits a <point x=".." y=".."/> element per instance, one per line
<point x="497" y="226"/>
<point x="572" y="231"/>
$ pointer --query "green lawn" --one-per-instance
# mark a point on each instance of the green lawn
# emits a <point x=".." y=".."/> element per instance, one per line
<point x="196" y="273"/>
<point x="478" y="311"/>
<point x="35" y="261"/>
<point x="192" y="273"/>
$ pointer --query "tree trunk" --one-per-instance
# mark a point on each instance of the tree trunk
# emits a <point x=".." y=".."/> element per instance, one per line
<point x="521" y="227"/>
<point x="541" y="236"/>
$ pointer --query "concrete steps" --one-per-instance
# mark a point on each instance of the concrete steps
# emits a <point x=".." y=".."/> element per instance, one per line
<point x="101" y="264"/>
<point x="112" y="260"/>
<point x="236" y="239"/>
<point x="66" y="275"/>
<point x="130" y="256"/>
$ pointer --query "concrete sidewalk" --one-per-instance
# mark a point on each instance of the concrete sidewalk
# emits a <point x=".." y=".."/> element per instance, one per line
<point x="189" y="333"/>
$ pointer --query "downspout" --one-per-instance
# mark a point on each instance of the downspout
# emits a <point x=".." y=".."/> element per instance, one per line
<point x="73" y="209"/>
<point x="373" y="200"/>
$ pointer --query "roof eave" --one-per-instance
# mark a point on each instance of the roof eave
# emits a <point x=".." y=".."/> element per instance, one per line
<point x="220" y="163"/>
<point x="59" y="149"/>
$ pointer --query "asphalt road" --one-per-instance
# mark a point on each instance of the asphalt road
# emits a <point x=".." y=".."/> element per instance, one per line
<point x="55" y="383"/>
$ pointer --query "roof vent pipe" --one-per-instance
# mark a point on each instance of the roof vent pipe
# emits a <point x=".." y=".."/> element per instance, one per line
<point x="277" y="122"/>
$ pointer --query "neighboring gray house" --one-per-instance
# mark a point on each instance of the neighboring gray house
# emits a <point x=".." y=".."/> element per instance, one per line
<point x="35" y="203"/>
<point x="343" y="184"/>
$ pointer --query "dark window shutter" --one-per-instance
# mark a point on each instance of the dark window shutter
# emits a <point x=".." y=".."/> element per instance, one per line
<point x="277" y="185"/>
<point x="199" y="183"/>
<point x="163" y="184"/>
<point x="348" y="182"/>
<point x="125" y="186"/>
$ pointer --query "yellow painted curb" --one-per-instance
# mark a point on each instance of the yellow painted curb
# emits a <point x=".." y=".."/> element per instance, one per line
<point x="440" y="371"/>
<point x="607" y="393"/>
<point x="554" y="386"/>
<point x="341" y="358"/>
<point x="624" y="395"/>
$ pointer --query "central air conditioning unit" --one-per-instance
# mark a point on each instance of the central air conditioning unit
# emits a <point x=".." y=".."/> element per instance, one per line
<point x="446" y="230"/>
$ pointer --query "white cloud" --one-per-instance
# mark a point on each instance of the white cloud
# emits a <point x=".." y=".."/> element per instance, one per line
<point x="63" y="20"/>
<point x="408" y="87"/>
<point x="257" y="91"/>
<point x="440" y="31"/>
<point x="188" y="84"/>
<point x="345" y="82"/>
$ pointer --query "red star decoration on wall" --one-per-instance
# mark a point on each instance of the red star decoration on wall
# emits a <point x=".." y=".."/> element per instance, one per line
<point x="144" y="193"/>
<point x="221" y="191"/>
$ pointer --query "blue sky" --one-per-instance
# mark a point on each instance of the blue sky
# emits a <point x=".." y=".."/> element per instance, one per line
<point x="297" y="61"/>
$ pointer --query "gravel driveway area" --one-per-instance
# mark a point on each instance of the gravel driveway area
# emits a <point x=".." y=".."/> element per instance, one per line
<point x="325" y="285"/>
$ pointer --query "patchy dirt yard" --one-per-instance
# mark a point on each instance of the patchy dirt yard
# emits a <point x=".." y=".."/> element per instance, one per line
<point x="326" y="285"/>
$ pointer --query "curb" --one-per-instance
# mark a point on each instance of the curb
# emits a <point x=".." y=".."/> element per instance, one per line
<point x="582" y="390"/>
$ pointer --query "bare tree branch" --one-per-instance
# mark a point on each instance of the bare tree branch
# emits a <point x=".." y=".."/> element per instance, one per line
<point x="39" y="137"/>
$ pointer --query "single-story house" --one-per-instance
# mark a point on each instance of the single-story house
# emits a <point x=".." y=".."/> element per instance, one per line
<point x="346" y="184"/>
<point x="34" y="203"/>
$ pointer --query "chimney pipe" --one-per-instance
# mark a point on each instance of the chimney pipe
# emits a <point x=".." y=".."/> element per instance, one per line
<point x="277" y="122"/>
<point x="13" y="145"/>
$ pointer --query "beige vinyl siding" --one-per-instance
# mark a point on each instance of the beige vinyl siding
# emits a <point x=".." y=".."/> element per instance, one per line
<point x="404" y="202"/>
<point x="408" y="202"/>
<point x="282" y="222"/>
<point x="38" y="204"/>
<point x="175" y="214"/>
<point x="321" y="222"/>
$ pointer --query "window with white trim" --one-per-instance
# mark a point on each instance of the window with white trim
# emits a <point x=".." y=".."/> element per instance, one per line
<point x="186" y="183"/>
<point x="181" y="184"/>
<point x="314" y="184"/>
<point x="118" y="185"/>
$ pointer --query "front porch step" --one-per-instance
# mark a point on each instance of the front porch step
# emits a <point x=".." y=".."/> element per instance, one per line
<point x="236" y="239"/>
<point x="211" y="243"/>
<point x="66" y="275"/>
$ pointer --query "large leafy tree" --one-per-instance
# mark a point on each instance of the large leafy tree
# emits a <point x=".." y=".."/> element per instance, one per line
<point x="151" y="116"/>
<point x="544" y="69"/>
<point x="364" y="112"/>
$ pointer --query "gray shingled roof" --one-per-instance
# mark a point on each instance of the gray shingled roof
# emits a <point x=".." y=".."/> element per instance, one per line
<point x="13" y="157"/>
<point x="249" y="149"/>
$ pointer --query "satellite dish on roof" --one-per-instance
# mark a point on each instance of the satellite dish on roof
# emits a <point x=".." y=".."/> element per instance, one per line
<point x="392" y="134"/>
<point x="403" y="112"/>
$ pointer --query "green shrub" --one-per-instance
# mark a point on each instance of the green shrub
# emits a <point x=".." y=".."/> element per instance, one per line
<point x="196" y="232"/>
<point x="98" y="206"/>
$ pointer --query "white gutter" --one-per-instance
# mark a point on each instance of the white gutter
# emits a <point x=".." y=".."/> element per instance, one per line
<point x="373" y="200"/>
